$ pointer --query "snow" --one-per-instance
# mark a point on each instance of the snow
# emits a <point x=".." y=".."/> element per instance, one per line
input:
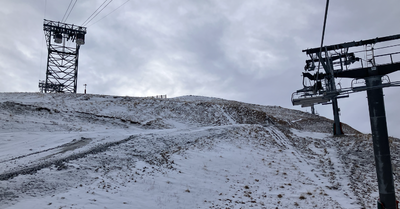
<point x="97" y="151"/>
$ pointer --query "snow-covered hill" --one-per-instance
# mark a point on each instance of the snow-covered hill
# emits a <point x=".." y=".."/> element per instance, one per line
<point x="96" y="151"/>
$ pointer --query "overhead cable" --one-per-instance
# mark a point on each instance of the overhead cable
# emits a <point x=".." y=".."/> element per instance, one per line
<point x="98" y="12"/>
<point x="66" y="11"/>
<point x="95" y="13"/>
<point x="110" y="13"/>
<point x="70" y="11"/>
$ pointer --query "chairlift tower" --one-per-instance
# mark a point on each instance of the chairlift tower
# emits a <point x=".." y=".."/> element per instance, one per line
<point x="62" y="58"/>
<point x="374" y="69"/>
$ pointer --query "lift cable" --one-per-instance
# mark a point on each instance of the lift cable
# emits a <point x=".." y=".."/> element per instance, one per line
<point x="110" y="13"/>
<point x="70" y="11"/>
<point x="66" y="15"/>
<point x="96" y="12"/>
<point x="66" y="11"/>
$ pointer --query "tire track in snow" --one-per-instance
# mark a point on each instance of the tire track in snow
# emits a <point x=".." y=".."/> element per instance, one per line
<point x="60" y="161"/>
<point x="65" y="147"/>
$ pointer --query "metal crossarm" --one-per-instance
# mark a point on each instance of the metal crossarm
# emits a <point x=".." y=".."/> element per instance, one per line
<point x="353" y="44"/>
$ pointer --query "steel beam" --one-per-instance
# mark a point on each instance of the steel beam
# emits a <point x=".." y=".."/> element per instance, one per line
<point x="380" y="140"/>
<point x="352" y="44"/>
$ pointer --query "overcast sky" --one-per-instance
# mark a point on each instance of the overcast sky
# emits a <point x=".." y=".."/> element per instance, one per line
<point x="249" y="51"/>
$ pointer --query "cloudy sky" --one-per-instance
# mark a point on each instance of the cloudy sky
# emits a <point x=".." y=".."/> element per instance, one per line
<point x="247" y="51"/>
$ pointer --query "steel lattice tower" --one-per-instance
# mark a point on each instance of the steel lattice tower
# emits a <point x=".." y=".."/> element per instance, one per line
<point x="62" y="60"/>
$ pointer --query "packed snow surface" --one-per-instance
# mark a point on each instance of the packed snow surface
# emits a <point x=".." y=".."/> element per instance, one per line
<point x="97" y="151"/>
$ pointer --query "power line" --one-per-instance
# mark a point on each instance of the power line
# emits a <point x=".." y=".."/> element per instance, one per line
<point x="110" y="13"/>
<point x="96" y="12"/>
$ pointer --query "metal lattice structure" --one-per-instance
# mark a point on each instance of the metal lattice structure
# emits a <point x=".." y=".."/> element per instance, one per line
<point x="62" y="59"/>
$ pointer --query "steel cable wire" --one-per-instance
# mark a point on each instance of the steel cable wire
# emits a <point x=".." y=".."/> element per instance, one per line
<point x="110" y="13"/>
<point x="96" y="12"/>
<point x="66" y="11"/>
<point x="70" y="11"/>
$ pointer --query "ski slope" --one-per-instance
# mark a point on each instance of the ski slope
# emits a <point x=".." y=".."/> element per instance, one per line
<point x="98" y="151"/>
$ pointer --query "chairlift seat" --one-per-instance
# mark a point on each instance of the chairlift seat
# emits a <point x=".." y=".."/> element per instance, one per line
<point x="309" y="100"/>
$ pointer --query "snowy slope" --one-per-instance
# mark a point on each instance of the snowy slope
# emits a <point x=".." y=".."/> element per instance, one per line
<point x="97" y="151"/>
